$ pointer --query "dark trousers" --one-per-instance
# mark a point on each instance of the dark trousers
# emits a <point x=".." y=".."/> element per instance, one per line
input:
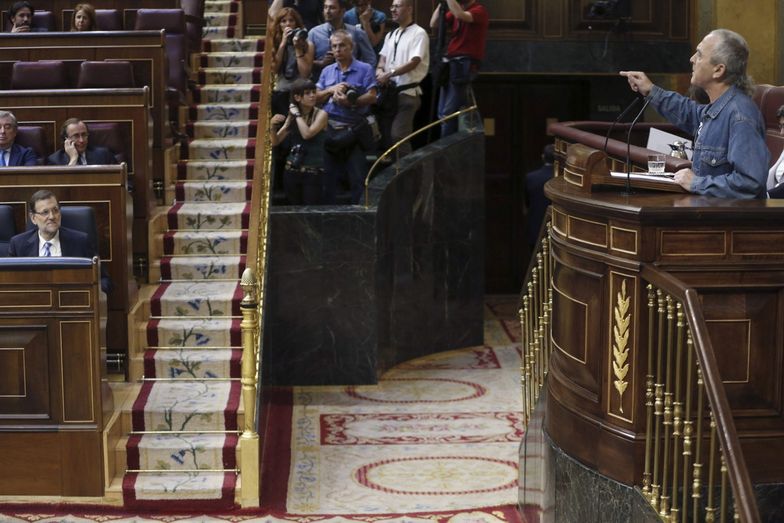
<point x="302" y="187"/>
<point x="351" y="166"/>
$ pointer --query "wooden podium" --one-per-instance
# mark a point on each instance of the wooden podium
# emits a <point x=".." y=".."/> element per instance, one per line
<point x="730" y="251"/>
<point x="52" y="395"/>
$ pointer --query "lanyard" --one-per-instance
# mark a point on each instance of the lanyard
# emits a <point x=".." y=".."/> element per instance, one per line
<point x="396" y="39"/>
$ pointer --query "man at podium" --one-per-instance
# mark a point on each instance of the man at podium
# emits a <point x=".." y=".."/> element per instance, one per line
<point x="730" y="157"/>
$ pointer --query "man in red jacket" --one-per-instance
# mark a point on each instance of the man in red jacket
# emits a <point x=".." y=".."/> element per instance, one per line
<point x="467" y="20"/>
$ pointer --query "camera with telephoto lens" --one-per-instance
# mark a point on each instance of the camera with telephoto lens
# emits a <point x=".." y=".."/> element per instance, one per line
<point x="352" y="93"/>
<point x="296" y="156"/>
<point x="300" y="34"/>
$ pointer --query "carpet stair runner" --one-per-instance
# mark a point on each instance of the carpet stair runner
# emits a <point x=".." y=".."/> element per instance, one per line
<point x="186" y="418"/>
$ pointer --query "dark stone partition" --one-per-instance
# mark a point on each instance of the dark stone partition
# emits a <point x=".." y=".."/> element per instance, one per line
<point x="353" y="290"/>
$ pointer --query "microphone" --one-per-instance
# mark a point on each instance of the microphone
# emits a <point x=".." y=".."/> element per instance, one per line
<point x="628" y="148"/>
<point x="620" y="117"/>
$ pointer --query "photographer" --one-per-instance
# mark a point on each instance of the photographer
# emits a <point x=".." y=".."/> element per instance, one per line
<point x="334" y="11"/>
<point x="293" y="56"/>
<point x="348" y="87"/>
<point x="304" y="128"/>
<point x="403" y="64"/>
<point x="467" y="20"/>
<point x="309" y="10"/>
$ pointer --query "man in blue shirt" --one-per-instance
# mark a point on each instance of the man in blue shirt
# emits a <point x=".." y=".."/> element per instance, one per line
<point x="730" y="157"/>
<point x="348" y="89"/>
<point x="334" y="11"/>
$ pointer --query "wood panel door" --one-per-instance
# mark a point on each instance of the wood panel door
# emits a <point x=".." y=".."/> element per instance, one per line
<point x="516" y="110"/>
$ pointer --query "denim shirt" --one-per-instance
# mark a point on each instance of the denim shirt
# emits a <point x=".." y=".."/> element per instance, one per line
<point x="730" y="157"/>
<point x="363" y="52"/>
<point x="359" y="75"/>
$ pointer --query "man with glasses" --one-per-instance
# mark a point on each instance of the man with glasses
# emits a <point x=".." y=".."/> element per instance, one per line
<point x="11" y="153"/>
<point x="334" y="11"/>
<point x="347" y="89"/>
<point x="76" y="148"/>
<point x="48" y="238"/>
<point x="402" y="65"/>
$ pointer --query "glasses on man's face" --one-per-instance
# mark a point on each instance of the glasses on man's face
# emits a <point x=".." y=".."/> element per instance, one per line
<point x="77" y="136"/>
<point x="396" y="6"/>
<point x="54" y="211"/>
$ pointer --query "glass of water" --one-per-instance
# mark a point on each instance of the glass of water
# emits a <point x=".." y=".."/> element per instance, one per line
<point x="656" y="163"/>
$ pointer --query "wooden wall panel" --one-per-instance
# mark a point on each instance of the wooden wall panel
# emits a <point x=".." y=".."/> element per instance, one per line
<point x="77" y="352"/>
<point x="24" y="371"/>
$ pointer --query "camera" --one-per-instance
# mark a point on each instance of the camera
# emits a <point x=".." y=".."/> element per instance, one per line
<point x="352" y="93"/>
<point x="297" y="156"/>
<point x="299" y="33"/>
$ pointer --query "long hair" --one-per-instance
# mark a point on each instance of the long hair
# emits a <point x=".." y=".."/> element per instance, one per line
<point x="89" y="10"/>
<point x="733" y="51"/>
<point x="277" y="34"/>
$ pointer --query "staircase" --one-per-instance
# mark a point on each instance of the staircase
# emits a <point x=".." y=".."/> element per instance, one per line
<point x="181" y="450"/>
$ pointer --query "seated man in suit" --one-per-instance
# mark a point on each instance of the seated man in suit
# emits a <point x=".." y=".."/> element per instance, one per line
<point x="49" y="238"/>
<point x="12" y="154"/>
<point x="76" y="149"/>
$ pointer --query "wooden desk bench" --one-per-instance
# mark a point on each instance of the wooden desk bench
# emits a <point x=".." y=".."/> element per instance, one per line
<point x="103" y="188"/>
<point x="146" y="50"/>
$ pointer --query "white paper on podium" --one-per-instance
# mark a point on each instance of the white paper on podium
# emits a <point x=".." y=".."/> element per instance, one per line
<point x="660" y="141"/>
<point x="663" y="178"/>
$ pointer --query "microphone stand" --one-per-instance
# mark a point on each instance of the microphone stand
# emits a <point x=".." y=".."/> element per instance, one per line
<point x="618" y="119"/>
<point x="628" y="189"/>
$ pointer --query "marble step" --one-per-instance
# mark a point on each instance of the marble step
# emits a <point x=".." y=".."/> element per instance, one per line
<point x="233" y="45"/>
<point x="204" y="242"/>
<point x="198" y="298"/>
<point x="228" y="75"/>
<point x="198" y="268"/>
<point x="222" y="149"/>
<point x="208" y="216"/>
<point x="200" y="363"/>
<point x="222" y="129"/>
<point x="224" y="112"/>
<point x="187" y="406"/>
<point x="232" y="59"/>
<point x="213" y="191"/>
<point x="236" y="93"/>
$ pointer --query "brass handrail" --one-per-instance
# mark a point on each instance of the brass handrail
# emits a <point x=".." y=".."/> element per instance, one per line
<point x="536" y="301"/>
<point x="254" y="289"/>
<point x="681" y="418"/>
<point x="405" y="139"/>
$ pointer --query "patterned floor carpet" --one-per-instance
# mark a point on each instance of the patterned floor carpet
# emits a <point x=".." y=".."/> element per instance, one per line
<point x="436" y="441"/>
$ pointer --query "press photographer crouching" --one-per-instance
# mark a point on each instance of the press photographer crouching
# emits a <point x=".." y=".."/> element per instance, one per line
<point x="348" y="87"/>
<point x="304" y="131"/>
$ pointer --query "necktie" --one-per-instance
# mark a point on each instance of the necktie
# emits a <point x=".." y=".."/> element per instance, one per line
<point x="47" y="248"/>
<point x="3" y="163"/>
<point x="82" y="159"/>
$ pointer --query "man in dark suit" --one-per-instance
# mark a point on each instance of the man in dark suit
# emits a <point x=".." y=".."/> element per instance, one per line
<point x="76" y="149"/>
<point x="49" y="238"/>
<point x="534" y="189"/>
<point x="12" y="154"/>
<point x="21" y="17"/>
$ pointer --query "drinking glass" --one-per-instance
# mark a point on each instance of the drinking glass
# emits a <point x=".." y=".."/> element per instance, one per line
<point x="656" y="163"/>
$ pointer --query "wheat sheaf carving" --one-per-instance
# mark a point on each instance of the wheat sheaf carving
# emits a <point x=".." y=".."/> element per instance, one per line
<point x="621" y="341"/>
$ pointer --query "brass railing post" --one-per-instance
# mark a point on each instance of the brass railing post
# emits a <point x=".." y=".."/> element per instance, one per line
<point x="249" y="442"/>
